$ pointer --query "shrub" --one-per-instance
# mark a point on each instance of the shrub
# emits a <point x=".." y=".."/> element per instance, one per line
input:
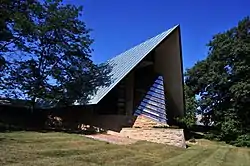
<point x="242" y="140"/>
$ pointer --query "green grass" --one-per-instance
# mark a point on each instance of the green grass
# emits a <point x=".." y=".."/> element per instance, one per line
<point x="32" y="148"/>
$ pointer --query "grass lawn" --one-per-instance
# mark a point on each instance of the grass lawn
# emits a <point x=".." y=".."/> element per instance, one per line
<point x="32" y="148"/>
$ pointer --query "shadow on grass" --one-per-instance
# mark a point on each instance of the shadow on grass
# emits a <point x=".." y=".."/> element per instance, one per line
<point x="200" y="132"/>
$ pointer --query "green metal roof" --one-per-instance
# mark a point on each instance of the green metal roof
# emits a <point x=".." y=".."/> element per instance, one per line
<point x="123" y="63"/>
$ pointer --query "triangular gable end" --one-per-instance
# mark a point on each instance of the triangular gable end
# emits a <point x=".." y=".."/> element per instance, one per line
<point x="125" y="62"/>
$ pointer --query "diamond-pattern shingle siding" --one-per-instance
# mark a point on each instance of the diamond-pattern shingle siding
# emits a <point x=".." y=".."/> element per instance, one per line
<point x="125" y="62"/>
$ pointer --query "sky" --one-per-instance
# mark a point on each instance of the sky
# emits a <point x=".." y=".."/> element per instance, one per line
<point x="121" y="24"/>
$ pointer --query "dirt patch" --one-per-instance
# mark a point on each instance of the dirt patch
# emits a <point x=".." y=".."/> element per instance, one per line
<point x="112" y="139"/>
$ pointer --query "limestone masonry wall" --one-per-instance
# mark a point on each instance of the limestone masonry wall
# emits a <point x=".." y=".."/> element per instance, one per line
<point x="143" y="129"/>
<point x="145" y="122"/>
<point x="165" y="136"/>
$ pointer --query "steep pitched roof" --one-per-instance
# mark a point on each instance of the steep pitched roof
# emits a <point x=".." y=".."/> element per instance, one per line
<point x="123" y="63"/>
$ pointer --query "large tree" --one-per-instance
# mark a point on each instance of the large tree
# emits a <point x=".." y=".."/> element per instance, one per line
<point x="223" y="81"/>
<point x="56" y="65"/>
<point x="15" y="26"/>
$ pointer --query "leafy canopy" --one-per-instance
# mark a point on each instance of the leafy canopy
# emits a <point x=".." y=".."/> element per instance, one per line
<point x="223" y="81"/>
<point x="51" y="62"/>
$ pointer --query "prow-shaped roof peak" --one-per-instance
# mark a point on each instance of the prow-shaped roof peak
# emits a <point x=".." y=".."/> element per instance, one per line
<point x="123" y="63"/>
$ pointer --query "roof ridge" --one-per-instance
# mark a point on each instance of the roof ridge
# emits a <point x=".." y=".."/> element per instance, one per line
<point x="124" y="62"/>
<point x="135" y="45"/>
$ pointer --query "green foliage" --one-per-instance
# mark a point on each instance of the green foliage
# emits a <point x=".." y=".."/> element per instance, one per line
<point x="189" y="119"/>
<point x="52" y="63"/>
<point x="242" y="140"/>
<point x="15" y="25"/>
<point x="223" y="82"/>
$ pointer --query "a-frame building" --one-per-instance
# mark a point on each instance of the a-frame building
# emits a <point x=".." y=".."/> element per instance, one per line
<point x="145" y="80"/>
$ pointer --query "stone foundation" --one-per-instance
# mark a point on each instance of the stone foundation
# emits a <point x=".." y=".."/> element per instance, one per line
<point x="143" y="129"/>
<point x="173" y="137"/>
<point x="135" y="127"/>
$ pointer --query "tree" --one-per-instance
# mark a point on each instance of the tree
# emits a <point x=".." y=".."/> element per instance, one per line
<point x="223" y="81"/>
<point x="189" y="120"/>
<point x="15" y="23"/>
<point x="15" y="27"/>
<point x="56" y="66"/>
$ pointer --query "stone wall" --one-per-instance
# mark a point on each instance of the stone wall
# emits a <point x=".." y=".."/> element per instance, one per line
<point x="107" y="122"/>
<point x="145" y="122"/>
<point x="144" y="129"/>
<point x="173" y="137"/>
<point x="81" y="118"/>
<point x="112" y="122"/>
<point x="118" y="122"/>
